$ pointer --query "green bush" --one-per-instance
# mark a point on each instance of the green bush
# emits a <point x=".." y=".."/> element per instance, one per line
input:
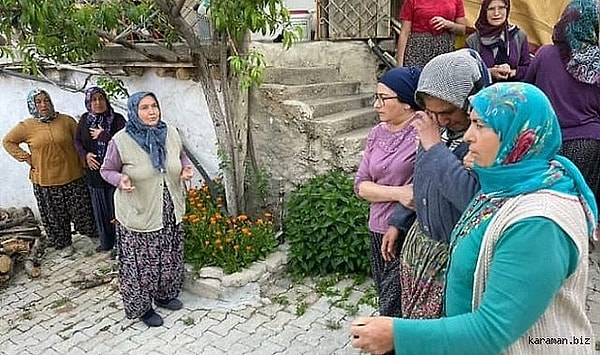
<point x="326" y="227"/>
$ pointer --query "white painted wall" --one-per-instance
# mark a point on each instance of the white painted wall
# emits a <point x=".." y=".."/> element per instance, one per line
<point x="182" y="103"/>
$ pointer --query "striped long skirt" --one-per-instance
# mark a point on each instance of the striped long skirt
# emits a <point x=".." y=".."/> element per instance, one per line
<point x="150" y="263"/>
<point x="61" y="205"/>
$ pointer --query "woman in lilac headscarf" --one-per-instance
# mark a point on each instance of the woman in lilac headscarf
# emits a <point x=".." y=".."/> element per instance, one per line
<point x="96" y="127"/>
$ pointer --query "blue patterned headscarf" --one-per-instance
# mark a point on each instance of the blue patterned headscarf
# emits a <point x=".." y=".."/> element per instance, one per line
<point x="576" y="34"/>
<point x="527" y="159"/>
<point x="96" y="120"/>
<point x="34" y="111"/>
<point x="151" y="138"/>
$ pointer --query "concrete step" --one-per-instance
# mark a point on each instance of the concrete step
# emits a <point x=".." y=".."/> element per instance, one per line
<point x="351" y="145"/>
<point x="343" y="122"/>
<point x="331" y="105"/>
<point x="310" y="91"/>
<point x="300" y="76"/>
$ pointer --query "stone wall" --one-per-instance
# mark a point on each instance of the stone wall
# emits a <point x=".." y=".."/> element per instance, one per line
<point x="288" y="144"/>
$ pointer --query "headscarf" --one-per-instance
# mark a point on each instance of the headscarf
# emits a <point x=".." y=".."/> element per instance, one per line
<point x="527" y="159"/>
<point x="96" y="120"/>
<point x="495" y="37"/>
<point x="576" y="36"/>
<point x="152" y="139"/>
<point x="403" y="81"/>
<point x="482" y="25"/>
<point x="453" y="77"/>
<point x="34" y="111"/>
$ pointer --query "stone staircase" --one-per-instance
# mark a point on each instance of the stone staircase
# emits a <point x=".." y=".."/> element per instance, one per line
<point x="333" y="114"/>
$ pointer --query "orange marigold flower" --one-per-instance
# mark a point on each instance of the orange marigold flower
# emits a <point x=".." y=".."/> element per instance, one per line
<point x="185" y="217"/>
<point x="220" y="247"/>
<point x="219" y="199"/>
<point x="218" y="233"/>
<point x="213" y="221"/>
<point x="206" y="242"/>
<point x="236" y="247"/>
<point x="229" y="240"/>
<point x="242" y="217"/>
<point x="218" y="215"/>
<point x="249" y="234"/>
<point x="230" y="231"/>
<point x="268" y="215"/>
<point x="259" y="221"/>
<point x="249" y="248"/>
<point x="245" y="230"/>
<point x="218" y="241"/>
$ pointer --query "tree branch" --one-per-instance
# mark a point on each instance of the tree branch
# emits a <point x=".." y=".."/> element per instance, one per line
<point x="109" y="37"/>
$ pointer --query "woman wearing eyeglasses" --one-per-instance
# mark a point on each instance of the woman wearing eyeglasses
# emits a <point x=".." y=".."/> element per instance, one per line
<point x="385" y="173"/>
<point x="502" y="46"/>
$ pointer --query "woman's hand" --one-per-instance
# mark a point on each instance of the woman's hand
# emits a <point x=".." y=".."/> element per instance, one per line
<point x="405" y="196"/>
<point x="501" y="72"/>
<point x="92" y="163"/>
<point x="187" y="173"/>
<point x="388" y="243"/>
<point x="427" y="128"/>
<point x="372" y="334"/>
<point x="468" y="161"/>
<point x="125" y="184"/>
<point x="95" y="132"/>
<point x="440" y="23"/>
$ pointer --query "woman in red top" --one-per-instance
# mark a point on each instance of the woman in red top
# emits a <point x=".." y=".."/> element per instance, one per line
<point x="428" y="30"/>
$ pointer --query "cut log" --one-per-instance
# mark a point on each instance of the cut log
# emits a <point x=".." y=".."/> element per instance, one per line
<point x="5" y="264"/>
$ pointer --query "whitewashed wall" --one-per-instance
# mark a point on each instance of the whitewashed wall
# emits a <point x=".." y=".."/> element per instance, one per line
<point x="182" y="103"/>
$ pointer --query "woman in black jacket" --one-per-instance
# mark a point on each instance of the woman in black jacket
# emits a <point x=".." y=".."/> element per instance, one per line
<point x="96" y="128"/>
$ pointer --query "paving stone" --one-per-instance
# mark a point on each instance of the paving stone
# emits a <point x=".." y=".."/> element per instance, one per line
<point x="251" y="324"/>
<point x="279" y="322"/>
<point x="227" y="324"/>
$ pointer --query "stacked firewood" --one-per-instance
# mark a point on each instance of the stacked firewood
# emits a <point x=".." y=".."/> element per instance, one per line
<point x="21" y="241"/>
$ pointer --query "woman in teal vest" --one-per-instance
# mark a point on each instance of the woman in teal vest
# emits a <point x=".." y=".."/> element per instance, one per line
<point x="147" y="164"/>
<point x="517" y="275"/>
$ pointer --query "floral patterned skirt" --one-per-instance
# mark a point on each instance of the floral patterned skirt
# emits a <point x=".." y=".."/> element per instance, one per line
<point x="422" y="275"/>
<point x="422" y="47"/>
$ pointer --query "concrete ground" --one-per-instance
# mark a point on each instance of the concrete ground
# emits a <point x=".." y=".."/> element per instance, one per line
<point x="50" y="315"/>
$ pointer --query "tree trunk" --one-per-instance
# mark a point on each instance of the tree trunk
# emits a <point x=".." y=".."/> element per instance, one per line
<point x="226" y="139"/>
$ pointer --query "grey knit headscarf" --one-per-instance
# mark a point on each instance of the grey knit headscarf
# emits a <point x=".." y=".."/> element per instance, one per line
<point x="453" y="77"/>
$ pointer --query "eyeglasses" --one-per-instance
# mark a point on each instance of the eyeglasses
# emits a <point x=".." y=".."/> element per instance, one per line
<point x="493" y="10"/>
<point x="380" y="99"/>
